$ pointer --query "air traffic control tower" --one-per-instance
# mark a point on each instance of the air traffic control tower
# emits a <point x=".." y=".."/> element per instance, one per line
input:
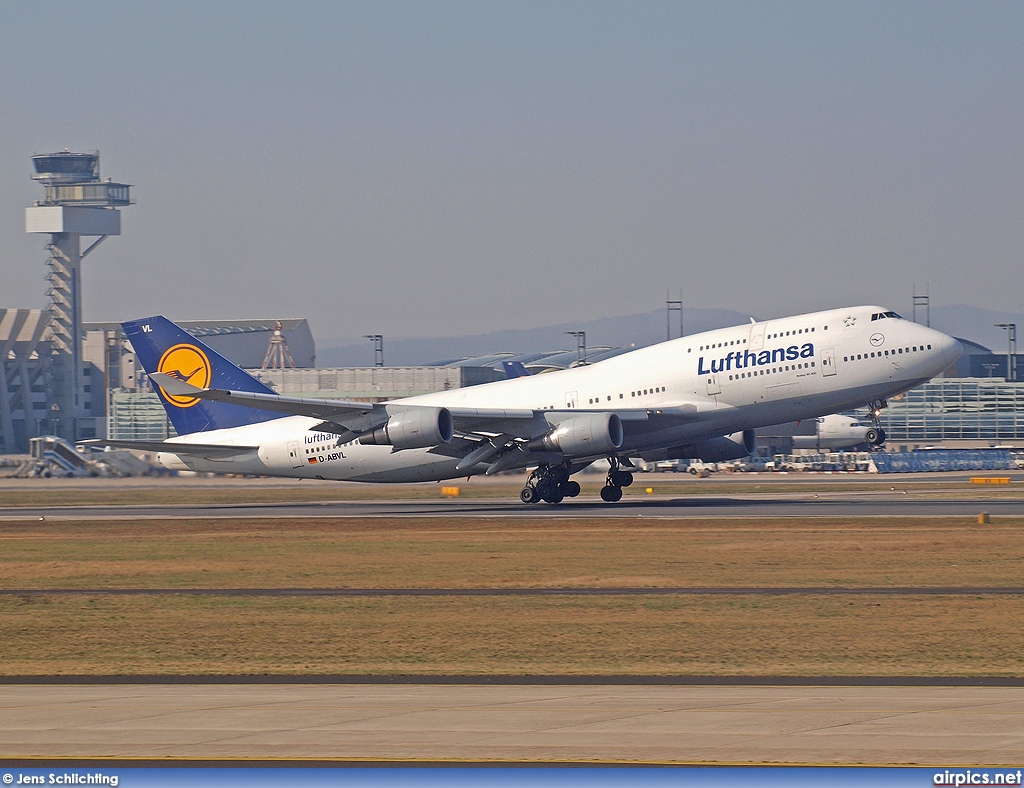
<point x="76" y="203"/>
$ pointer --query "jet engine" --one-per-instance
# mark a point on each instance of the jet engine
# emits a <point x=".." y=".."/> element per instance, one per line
<point x="415" y="428"/>
<point x="582" y="436"/>
<point x="728" y="447"/>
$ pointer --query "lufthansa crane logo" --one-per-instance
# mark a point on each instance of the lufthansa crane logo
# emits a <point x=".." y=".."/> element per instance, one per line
<point x="186" y="363"/>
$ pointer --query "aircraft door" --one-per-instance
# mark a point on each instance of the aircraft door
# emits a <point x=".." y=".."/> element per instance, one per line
<point x="828" y="361"/>
<point x="714" y="385"/>
<point x="757" y="335"/>
<point x="570" y="399"/>
<point x="294" y="455"/>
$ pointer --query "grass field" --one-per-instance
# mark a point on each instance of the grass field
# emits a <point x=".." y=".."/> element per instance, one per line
<point x="660" y="634"/>
<point x="566" y="635"/>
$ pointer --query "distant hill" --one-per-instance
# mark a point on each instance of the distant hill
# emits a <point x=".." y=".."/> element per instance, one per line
<point x="637" y="330"/>
<point x="976" y="324"/>
<point x="959" y="320"/>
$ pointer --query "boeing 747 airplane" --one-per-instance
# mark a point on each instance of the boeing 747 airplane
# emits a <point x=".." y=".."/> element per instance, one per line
<point x="699" y="396"/>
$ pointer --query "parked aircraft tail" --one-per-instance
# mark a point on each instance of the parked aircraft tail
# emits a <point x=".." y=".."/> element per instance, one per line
<point x="515" y="369"/>
<point x="165" y="347"/>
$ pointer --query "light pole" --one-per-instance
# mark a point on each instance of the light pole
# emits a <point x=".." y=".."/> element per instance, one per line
<point x="378" y="348"/>
<point x="581" y="346"/>
<point x="673" y="305"/>
<point x="1011" y="349"/>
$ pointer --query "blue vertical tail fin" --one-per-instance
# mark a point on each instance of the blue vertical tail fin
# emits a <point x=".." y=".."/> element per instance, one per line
<point x="165" y="347"/>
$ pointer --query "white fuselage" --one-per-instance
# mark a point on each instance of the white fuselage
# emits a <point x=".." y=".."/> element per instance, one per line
<point x="736" y="378"/>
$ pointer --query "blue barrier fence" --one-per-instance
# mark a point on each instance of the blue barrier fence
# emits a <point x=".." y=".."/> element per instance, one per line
<point x="944" y="460"/>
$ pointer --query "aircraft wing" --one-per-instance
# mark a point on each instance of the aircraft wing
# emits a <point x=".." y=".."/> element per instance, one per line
<point x="475" y="423"/>
<point x="205" y="450"/>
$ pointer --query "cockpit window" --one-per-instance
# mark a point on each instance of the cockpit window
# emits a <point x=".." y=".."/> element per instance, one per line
<point x="883" y="315"/>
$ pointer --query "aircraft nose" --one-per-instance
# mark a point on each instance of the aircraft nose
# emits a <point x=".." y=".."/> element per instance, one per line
<point x="948" y="349"/>
<point x="952" y="351"/>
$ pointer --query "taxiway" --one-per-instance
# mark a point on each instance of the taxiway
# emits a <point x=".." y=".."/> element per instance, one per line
<point x="573" y="723"/>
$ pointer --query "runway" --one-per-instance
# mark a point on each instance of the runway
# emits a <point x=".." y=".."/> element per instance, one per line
<point x="415" y="723"/>
<point x="848" y="504"/>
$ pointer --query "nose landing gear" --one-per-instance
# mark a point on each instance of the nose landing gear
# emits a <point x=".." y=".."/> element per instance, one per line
<point x="550" y="484"/>
<point x="876" y="435"/>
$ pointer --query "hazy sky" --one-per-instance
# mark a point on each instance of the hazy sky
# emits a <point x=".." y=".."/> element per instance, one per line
<point x="442" y="168"/>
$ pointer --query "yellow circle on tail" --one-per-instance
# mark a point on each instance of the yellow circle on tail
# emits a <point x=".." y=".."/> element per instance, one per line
<point x="188" y="364"/>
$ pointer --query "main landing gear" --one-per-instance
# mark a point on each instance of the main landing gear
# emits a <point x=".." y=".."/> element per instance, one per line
<point x="617" y="479"/>
<point x="876" y="435"/>
<point x="549" y="483"/>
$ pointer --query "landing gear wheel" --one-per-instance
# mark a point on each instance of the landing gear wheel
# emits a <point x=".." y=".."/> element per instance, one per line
<point x="529" y="495"/>
<point x="549" y="483"/>
<point x="621" y="478"/>
<point x="875" y="436"/>
<point x="610" y="494"/>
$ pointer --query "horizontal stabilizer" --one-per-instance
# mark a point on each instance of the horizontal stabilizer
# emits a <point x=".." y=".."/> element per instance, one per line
<point x="335" y="410"/>
<point x="174" y="385"/>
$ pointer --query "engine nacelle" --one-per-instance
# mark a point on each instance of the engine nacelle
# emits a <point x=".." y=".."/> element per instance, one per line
<point x="728" y="447"/>
<point x="415" y="428"/>
<point x="583" y="436"/>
